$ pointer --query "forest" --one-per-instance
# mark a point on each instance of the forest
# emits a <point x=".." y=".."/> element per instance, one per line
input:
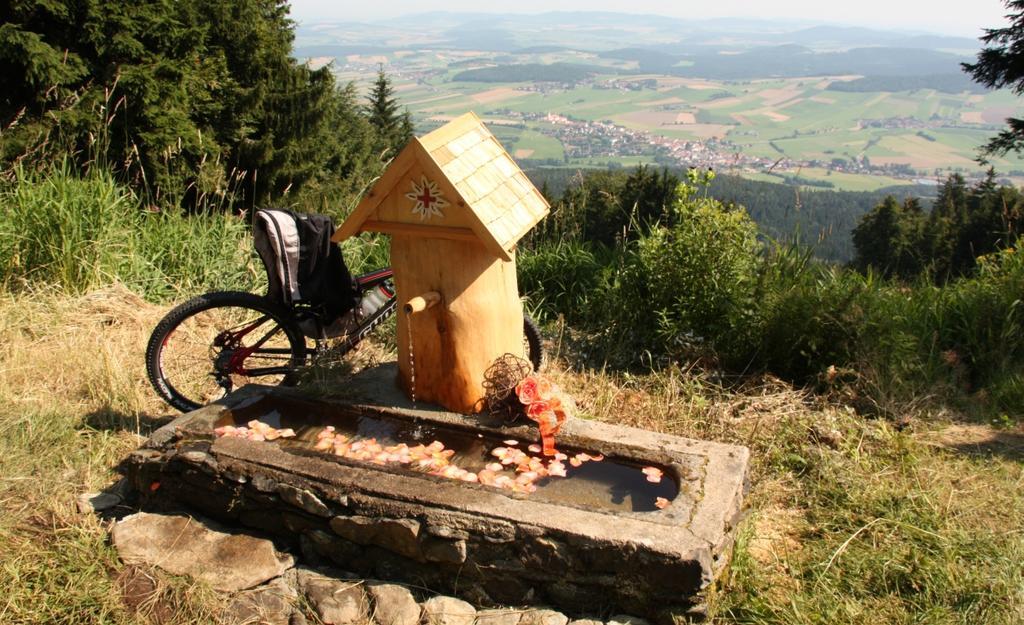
<point x="821" y="219"/>
<point x="947" y="83"/>
<point x="790" y="61"/>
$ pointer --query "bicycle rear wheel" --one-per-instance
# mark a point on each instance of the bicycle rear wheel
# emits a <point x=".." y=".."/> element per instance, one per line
<point x="211" y="344"/>
<point x="532" y="342"/>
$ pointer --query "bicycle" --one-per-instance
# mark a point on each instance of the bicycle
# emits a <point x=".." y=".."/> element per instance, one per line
<point x="202" y="349"/>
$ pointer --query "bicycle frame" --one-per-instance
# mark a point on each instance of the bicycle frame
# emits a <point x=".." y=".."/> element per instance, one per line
<point x="365" y="282"/>
<point x="236" y="357"/>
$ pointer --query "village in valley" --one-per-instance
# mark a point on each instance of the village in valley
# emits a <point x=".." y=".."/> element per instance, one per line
<point x="560" y="106"/>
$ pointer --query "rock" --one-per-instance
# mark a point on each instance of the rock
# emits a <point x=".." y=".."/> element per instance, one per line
<point x="503" y="616"/>
<point x="143" y="455"/>
<point x="441" y="550"/>
<point x="393" y="605"/>
<point x="266" y="605"/>
<point x="303" y="499"/>
<point x="443" y="531"/>
<point x="89" y="503"/>
<point x="336" y="602"/>
<point x="195" y="457"/>
<point x="830" y="437"/>
<point x="625" y="619"/>
<point x="448" y="611"/>
<point x="697" y="613"/>
<point x="182" y="545"/>
<point x="264" y="484"/>
<point x="586" y="621"/>
<point x="398" y="535"/>
<point x="543" y="617"/>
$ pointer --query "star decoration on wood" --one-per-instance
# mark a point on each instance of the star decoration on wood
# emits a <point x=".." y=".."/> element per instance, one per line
<point x="429" y="199"/>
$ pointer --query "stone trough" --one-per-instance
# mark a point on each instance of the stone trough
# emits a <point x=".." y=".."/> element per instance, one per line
<point x="591" y="543"/>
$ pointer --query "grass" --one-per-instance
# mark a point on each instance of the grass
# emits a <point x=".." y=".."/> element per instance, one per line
<point x="850" y="520"/>
<point x="83" y="232"/>
<point x="73" y="404"/>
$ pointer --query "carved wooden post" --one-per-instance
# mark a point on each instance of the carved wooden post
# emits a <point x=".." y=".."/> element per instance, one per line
<point x="455" y="204"/>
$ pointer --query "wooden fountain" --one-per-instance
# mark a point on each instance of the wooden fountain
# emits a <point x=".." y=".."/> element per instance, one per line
<point x="455" y="205"/>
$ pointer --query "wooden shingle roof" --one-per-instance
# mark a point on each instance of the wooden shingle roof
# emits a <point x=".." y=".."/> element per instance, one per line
<point x="487" y="196"/>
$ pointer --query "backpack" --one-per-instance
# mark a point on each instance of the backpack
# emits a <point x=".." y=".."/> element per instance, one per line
<point x="302" y="263"/>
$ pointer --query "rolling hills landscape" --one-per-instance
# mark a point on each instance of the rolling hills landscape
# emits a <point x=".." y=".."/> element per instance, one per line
<point x="827" y="106"/>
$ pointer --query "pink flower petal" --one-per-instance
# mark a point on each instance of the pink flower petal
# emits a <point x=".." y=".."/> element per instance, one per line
<point x="556" y="468"/>
<point x="653" y="474"/>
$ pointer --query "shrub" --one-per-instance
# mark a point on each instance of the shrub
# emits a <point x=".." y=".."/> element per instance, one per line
<point x="564" y="278"/>
<point x="807" y="315"/>
<point x="686" y="285"/>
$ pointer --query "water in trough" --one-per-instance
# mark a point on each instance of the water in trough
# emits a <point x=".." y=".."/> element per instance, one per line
<point x="613" y="484"/>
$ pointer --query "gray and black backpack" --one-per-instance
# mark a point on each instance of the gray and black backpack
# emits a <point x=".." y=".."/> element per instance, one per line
<point x="303" y="265"/>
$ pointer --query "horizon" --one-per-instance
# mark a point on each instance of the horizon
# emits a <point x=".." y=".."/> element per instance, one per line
<point x="915" y="16"/>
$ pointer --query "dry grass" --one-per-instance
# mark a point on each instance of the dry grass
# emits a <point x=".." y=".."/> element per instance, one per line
<point x="73" y="402"/>
<point x="851" y="520"/>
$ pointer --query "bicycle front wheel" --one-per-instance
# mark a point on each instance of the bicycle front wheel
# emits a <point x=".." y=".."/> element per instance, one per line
<point x="214" y="343"/>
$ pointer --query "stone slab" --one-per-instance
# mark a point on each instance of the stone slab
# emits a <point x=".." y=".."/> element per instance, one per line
<point x="182" y="545"/>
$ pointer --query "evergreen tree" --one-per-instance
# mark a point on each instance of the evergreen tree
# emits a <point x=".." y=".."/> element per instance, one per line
<point x="942" y="225"/>
<point x="183" y="98"/>
<point x="407" y="129"/>
<point x="965" y="223"/>
<point x="888" y="239"/>
<point x="1001" y="64"/>
<point x="394" y="130"/>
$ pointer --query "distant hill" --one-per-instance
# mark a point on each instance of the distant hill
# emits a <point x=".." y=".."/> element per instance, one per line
<point x="947" y="83"/>
<point x="339" y="51"/>
<point x="793" y="61"/>
<point x="728" y="49"/>
<point x="858" y="37"/>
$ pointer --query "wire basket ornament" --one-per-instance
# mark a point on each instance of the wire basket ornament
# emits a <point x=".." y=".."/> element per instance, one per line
<point x="500" y="382"/>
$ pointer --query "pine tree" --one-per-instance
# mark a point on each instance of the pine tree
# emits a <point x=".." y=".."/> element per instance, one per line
<point x="406" y="130"/>
<point x="393" y="129"/>
<point x="183" y="99"/>
<point x="382" y="111"/>
<point x="1001" y="64"/>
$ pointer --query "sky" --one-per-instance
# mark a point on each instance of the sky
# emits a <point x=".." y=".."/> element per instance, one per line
<point x="960" y="17"/>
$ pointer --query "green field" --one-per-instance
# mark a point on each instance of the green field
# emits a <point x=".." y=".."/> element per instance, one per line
<point x="924" y="132"/>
